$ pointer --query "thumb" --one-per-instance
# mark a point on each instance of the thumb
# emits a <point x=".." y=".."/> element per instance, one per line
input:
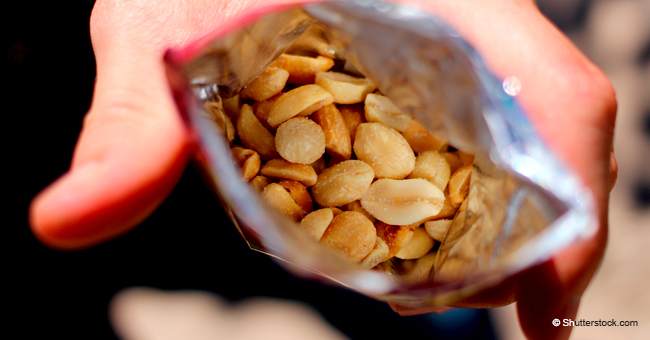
<point x="132" y="149"/>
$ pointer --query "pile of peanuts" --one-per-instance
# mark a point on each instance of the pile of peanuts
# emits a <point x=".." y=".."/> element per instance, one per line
<point x="327" y="150"/>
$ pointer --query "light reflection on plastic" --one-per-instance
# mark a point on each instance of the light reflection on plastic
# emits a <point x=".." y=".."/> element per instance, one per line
<point x="512" y="85"/>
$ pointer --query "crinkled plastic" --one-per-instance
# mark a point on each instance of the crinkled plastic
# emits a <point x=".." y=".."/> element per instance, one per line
<point x="523" y="205"/>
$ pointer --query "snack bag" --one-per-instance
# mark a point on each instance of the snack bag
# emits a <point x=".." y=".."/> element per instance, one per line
<point x="366" y="143"/>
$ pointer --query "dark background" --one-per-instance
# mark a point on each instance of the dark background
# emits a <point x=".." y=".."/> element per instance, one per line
<point x="188" y="243"/>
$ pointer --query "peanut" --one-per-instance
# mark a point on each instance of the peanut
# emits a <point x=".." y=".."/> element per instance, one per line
<point x="345" y="88"/>
<point x="316" y="222"/>
<point x="300" y="140"/>
<point x="352" y="234"/>
<point x="254" y="135"/>
<point x="437" y="229"/>
<point x="380" y="109"/>
<point x="385" y="150"/>
<point x="281" y="169"/>
<point x="402" y="202"/>
<point x="395" y="236"/>
<point x="249" y="161"/>
<point x="420" y="139"/>
<point x="343" y="183"/>
<point x="419" y="245"/>
<point x="459" y="184"/>
<point x="302" y="70"/>
<point x="301" y="101"/>
<point x="269" y="83"/>
<point x="337" y="138"/>
<point x="276" y="196"/>
<point x="433" y="167"/>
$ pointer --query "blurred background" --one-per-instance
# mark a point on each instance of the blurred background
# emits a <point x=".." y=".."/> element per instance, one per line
<point x="189" y="244"/>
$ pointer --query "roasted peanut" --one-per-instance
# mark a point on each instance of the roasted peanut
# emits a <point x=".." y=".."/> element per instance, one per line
<point x="453" y="160"/>
<point x="402" y="202"/>
<point x="254" y="135"/>
<point x="302" y="70"/>
<point x="448" y="210"/>
<point x="385" y="150"/>
<point x="278" y="197"/>
<point x="319" y="165"/>
<point x="259" y="183"/>
<point x="223" y="121"/>
<point x="345" y="88"/>
<point x="380" y="109"/>
<point x="420" y="270"/>
<point x="356" y="206"/>
<point x="281" y="169"/>
<point x="395" y="236"/>
<point x="232" y="106"/>
<point x="353" y="116"/>
<point x="343" y="183"/>
<point x="419" y="245"/>
<point x="433" y="167"/>
<point x="262" y="110"/>
<point x="352" y="234"/>
<point x="300" y="140"/>
<point x="299" y="193"/>
<point x="437" y="229"/>
<point x="459" y="184"/>
<point x="316" y="222"/>
<point x="420" y="139"/>
<point x="377" y="255"/>
<point x="269" y="83"/>
<point x="249" y="161"/>
<point x="337" y="138"/>
<point x="301" y="101"/>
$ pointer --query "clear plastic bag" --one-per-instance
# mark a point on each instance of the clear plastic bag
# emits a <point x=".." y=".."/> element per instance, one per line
<point x="523" y="205"/>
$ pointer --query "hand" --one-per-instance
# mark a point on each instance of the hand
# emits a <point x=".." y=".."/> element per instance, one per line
<point x="133" y="146"/>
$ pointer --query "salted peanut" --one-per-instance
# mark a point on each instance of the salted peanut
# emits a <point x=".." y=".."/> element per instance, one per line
<point x="300" y="140"/>
<point x="421" y="140"/>
<point x="380" y="109"/>
<point x="276" y="196"/>
<point x="254" y="135"/>
<point x="316" y="222"/>
<point x="269" y="83"/>
<point x="433" y="167"/>
<point x="419" y="245"/>
<point x="395" y="236"/>
<point x="352" y="234"/>
<point x="343" y="183"/>
<point x="319" y="165"/>
<point x="337" y="138"/>
<point x="335" y="210"/>
<point x="353" y="116"/>
<point x="453" y="160"/>
<point x="223" y="121"/>
<point x="263" y="108"/>
<point x="437" y="229"/>
<point x="459" y="184"/>
<point x="249" y="161"/>
<point x="259" y="183"/>
<point x="377" y="255"/>
<point x="448" y="210"/>
<point x="281" y="169"/>
<point x="402" y="202"/>
<point x="345" y="88"/>
<point x="463" y="206"/>
<point x="231" y="106"/>
<point x="302" y="70"/>
<point x="301" y="101"/>
<point x="299" y="193"/>
<point x="385" y="150"/>
<point x="356" y="206"/>
<point x="465" y="157"/>
<point x="420" y="270"/>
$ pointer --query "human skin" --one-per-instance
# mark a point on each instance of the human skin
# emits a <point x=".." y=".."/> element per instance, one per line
<point x="133" y="147"/>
